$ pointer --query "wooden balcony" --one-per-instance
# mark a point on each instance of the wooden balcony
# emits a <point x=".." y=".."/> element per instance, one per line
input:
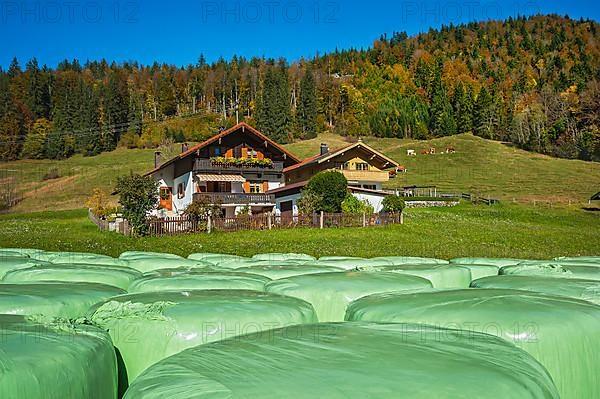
<point x="206" y="165"/>
<point x="236" y="199"/>
<point x="366" y="175"/>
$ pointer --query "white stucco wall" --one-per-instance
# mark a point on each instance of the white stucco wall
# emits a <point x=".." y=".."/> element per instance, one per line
<point x="374" y="199"/>
<point x="179" y="204"/>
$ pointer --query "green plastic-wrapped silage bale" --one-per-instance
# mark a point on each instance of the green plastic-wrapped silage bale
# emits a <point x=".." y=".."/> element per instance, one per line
<point x="150" y="263"/>
<point x="479" y="271"/>
<point x="77" y="257"/>
<point x="587" y="290"/>
<point x="553" y="270"/>
<point x="165" y="281"/>
<point x="55" y="359"/>
<point x="338" y="258"/>
<point x="117" y="276"/>
<point x="410" y="260"/>
<point x="277" y="271"/>
<point x="351" y="264"/>
<point x="275" y="257"/>
<point x="349" y="361"/>
<point x="215" y="259"/>
<point x="14" y="263"/>
<point x="330" y="293"/>
<point x="161" y="324"/>
<point x="128" y="255"/>
<point x="71" y="300"/>
<point x="241" y="263"/>
<point x="443" y="276"/>
<point x="560" y="332"/>
<point x="21" y="251"/>
<point x="593" y="259"/>
<point x="563" y="262"/>
<point x="500" y="262"/>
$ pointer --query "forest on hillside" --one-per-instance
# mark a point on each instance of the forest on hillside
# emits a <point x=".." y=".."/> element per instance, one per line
<point x="531" y="81"/>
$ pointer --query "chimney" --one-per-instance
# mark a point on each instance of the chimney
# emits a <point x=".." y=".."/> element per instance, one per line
<point x="324" y="149"/>
<point x="184" y="147"/>
<point x="157" y="155"/>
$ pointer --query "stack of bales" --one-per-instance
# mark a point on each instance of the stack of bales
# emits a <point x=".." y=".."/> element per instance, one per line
<point x="183" y="279"/>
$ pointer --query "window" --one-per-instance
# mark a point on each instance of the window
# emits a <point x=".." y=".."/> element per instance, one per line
<point x="370" y="186"/>
<point x="256" y="187"/>
<point x="223" y="187"/>
<point x="362" y="166"/>
<point x="217" y="151"/>
<point x="165" y="193"/>
<point x="180" y="190"/>
<point x="252" y="153"/>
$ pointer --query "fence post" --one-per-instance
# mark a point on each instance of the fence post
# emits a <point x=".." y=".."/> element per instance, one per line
<point x="364" y="219"/>
<point x="401" y="217"/>
<point x="269" y="222"/>
<point x="208" y="224"/>
<point x="321" y="221"/>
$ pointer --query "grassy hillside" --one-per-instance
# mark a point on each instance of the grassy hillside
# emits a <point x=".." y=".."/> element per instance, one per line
<point x="481" y="166"/>
<point x="504" y="231"/>
<point x="478" y="166"/>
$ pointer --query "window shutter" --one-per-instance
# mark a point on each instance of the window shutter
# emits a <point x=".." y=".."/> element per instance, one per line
<point x="244" y="152"/>
<point x="229" y="153"/>
<point x="260" y="155"/>
<point x="247" y="187"/>
<point x="265" y="186"/>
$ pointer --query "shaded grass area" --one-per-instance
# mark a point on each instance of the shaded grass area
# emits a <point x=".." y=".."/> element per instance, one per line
<point x="466" y="230"/>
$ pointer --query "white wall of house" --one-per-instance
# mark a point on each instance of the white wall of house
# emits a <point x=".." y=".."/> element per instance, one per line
<point x="179" y="204"/>
<point x="374" y="199"/>
<point x="274" y="184"/>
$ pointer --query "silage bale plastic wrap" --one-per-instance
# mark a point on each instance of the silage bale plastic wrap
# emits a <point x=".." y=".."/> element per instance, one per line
<point x="405" y="260"/>
<point x="21" y="251"/>
<point x="275" y="257"/>
<point x="77" y="257"/>
<point x="562" y="262"/>
<point x="191" y="280"/>
<point x="349" y="361"/>
<point x="479" y="271"/>
<point x="337" y="258"/>
<point x="330" y="293"/>
<point x="352" y="263"/>
<point x="500" y="262"/>
<point x="553" y="270"/>
<point x="69" y="300"/>
<point x="128" y="255"/>
<point x="43" y="358"/>
<point x="587" y="290"/>
<point x="148" y="327"/>
<point x="215" y="259"/>
<point x="276" y="271"/>
<point x="593" y="259"/>
<point x="234" y="264"/>
<point x="10" y="263"/>
<point x="560" y="332"/>
<point x="151" y="262"/>
<point x="443" y="276"/>
<point x="117" y="276"/>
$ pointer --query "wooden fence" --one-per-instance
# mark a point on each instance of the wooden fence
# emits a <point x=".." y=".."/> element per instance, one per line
<point x="119" y="225"/>
<point x="267" y="221"/>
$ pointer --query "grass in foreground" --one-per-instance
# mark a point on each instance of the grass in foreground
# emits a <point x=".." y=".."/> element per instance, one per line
<point x="467" y="230"/>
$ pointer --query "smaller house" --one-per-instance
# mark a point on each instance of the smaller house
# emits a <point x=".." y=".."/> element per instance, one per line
<point x="364" y="167"/>
<point x="411" y="153"/>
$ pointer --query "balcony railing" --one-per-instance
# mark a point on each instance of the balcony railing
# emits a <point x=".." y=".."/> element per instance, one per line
<point x="234" y="198"/>
<point x="206" y="165"/>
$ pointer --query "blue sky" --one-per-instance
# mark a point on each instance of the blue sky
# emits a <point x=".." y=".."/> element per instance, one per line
<point x="178" y="32"/>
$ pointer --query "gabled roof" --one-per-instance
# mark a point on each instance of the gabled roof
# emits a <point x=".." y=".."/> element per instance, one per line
<point x="318" y="159"/>
<point x="245" y="127"/>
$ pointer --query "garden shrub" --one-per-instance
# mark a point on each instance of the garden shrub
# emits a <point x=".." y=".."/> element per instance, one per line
<point x="393" y="204"/>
